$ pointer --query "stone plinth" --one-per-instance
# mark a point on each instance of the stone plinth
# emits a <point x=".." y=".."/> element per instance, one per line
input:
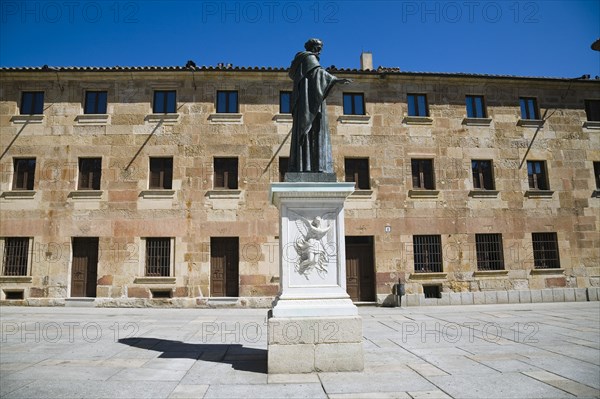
<point x="313" y="326"/>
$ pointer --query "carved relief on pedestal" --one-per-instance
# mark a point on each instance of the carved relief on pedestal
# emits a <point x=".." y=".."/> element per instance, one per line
<point x="311" y="244"/>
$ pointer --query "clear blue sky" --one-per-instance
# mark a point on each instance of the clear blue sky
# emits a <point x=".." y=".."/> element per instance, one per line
<point x="532" y="38"/>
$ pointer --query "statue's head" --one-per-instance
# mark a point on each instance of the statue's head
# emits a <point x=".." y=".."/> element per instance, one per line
<point x="316" y="222"/>
<point x="313" y="45"/>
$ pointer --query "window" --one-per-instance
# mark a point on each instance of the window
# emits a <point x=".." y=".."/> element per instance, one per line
<point x="226" y="170"/>
<point x="475" y="107"/>
<point x="545" y="251"/>
<point x="529" y="109"/>
<point x="428" y="253"/>
<point x="227" y="102"/>
<point x="16" y="252"/>
<point x="597" y="174"/>
<point x="482" y="174"/>
<point x="164" y="102"/>
<point x="354" y="104"/>
<point x="285" y="98"/>
<point x="24" y="173"/>
<point x="357" y="170"/>
<point x="32" y="103"/>
<point x="95" y="102"/>
<point x="158" y="257"/>
<point x="422" y="174"/>
<point x="536" y="173"/>
<point x="283" y="167"/>
<point x="592" y="110"/>
<point x="417" y="105"/>
<point x="161" y="173"/>
<point x="489" y="252"/>
<point x="90" y="170"/>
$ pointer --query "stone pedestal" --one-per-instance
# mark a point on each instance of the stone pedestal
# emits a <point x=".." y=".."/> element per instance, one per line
<point x="313" y="326"/>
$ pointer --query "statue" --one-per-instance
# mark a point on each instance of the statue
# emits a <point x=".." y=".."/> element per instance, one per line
<point x="312" y="252"/>
<point x="311" y="145"/>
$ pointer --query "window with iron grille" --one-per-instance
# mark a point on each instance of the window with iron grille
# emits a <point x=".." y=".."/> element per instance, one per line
<point x="417" y="105"/>
<point x="24" y="173"/>
<point x="161" y="173"/>
<point x="545" y="251"/>
<point x="283" y="167"/>
<point x="537" y="176"/>
<point x="489" y="252"/>
<point x="285" y="102"/>
<point x="427" y="253"/>
<point x="357" y="170"/>
<point x="422" y="174"/>
<point x="16" y="252"/>
<point x="475" y="107"/>
<point x="592" y="110"/>
<point x="90" y="170"/>
<point x="354" y="104"/>
<point x="529" y="108"/>
<point x="482" y="174"/>
<point x="226" y="173"/>
<point x="158" y="257"/>
<point x="32" y="103"/>
<point x="227" y="101"/>
<point x="597" y="174"/>
<point x="164" y="102"/>
<point x="95" y="102"/>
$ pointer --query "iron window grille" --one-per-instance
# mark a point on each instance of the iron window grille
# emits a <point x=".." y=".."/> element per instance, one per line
<point x="422" y="174"/>
<point x="226" y="173"/>
<point x="95" y="102"/>
<point x="354" y="104"/>
<point x="357" y="170"/>
<point x="161" y="173"/>
<point x="227" y="101"/>
<point x="164" y="102"/>
<point x="529" y="108"/>
<point x="24" y="173"/>
<point x="592" y="110"/>
<point x="427" y="251"/>
<point x="490" y="255"/>
<point x="32" y="103"/>
<point x="475" y="107"/>
<point x="417" y="105"/>
<point x="158" y="257"/>
<point x="482" y="174"/>
<point x="16" y="252"/>
<point x="537" y="176"/>
<point x="90" y="170"/>
<point x="545" y="251"/>
<point x="285" y="98"/>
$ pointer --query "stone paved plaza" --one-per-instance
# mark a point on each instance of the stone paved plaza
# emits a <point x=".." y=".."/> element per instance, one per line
<point x="545" y="350"/>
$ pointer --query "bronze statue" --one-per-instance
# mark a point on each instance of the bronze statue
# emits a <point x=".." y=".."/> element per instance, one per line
<point x="311" y="145"/>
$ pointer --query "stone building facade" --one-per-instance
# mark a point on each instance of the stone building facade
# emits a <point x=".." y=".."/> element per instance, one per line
<point x="149" y="186"/>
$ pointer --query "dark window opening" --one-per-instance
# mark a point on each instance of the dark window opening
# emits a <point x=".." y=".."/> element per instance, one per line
<point x="427" y="253"/>
<point x="226" y="173"/>
<point x="164" y="102"/>
<point x="227" y="102"/>
<point x="285" y="98"/>
<point x="32" y="103"/>
<point x="537" y="176"/>
<point x="16" y="255"/>
<point x="545" y="251"/>
<point x="283" y="167"/>
<point x="354" y="104"/>
<point x="357" y="170"/>
<point x="161" y="173"/>
<point x="482" y="174"/>
<point x="24" y="173"/>
<point x="90" y="170"/>
<point x="95" y="102"/>
<point x="158" y="257"/>
<point x="417" y="105"/>
<point x="489" y="252"/>
<point x="161" y="293"/>
<point x="529" y="108"/>
<point x="14" y="295"/>
<point x="475" y="107"/>
<point x="432" y="291"/>
<point x="422" y="174"/>
<point x="597" y="174"/>
<point x="592" y="110"/>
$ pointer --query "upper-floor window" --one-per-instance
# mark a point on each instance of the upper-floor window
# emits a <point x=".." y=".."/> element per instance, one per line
<point x="592" y="110"/>
<point x="537" y="176"/>
<point x="283" y="167"/>
<point x="32" y="103"/>
<point x="475" y="107"/>
<point x="597" y="174"/>
<point x="90" y="170"/>
<point x="357" y="170"/>
<point x="226" y="173"/>
<point x="427" y="250"/>
<point x="545" y="250"/>
<point x="354" y="104"/>
<point x="422" y="174"/>
<point x="95" y="102"/>
<point x="15" y="257"/>
<point x="489" y="252"/>
<point x="158" y="257"/>
<point x="417" y="105"/>
<point x="24" y="173"/>
<point x="483" y="178"/>
<point x="227" y="101"/>
<point x="164" y="102"/>
<point x="285" y="98"/>
<point x="529" y="108"/>
<point x="161" y="173"/>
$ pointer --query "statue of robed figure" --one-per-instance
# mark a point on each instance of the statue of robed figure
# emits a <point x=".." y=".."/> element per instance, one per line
<point x="311" y="144"/>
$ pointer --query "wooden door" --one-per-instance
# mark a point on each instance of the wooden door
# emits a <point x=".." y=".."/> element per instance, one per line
<point x="360" y="270"/>
<point x="224" y="265"/>
<point x="84" y="271"/>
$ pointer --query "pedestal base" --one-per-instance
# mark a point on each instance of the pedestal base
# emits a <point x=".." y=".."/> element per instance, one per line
<point x="314" y="344"/>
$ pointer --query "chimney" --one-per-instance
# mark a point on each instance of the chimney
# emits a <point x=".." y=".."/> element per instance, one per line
<point x="366" y="60"/>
